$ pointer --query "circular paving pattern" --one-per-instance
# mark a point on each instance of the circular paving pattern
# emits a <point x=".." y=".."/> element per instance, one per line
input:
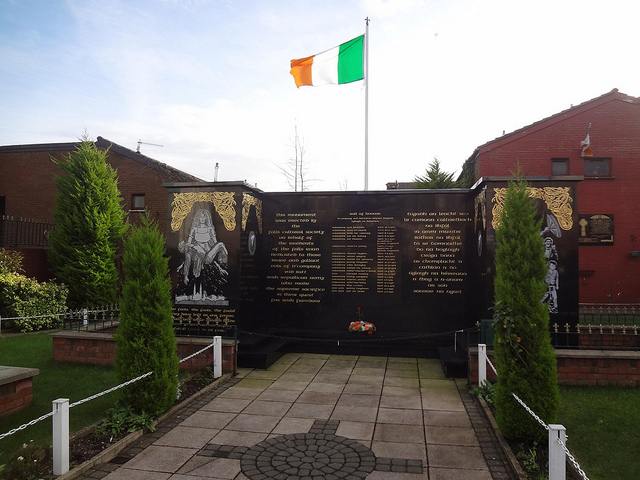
<point x="308" y="456"/>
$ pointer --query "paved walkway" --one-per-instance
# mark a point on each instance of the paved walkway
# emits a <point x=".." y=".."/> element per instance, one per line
<point x="312" y="416"/>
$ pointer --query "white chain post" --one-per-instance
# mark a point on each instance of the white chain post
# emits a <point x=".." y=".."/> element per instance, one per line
<point x="60" y="436"/>
<point x="217" y="357"/>
<point x="482" y="364"/>
<point x="557" y="460"/>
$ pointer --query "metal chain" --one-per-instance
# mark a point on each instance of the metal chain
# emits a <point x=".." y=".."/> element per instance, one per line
<point x="129" y="382"/>
<point x="99" y="310"/>
<point x="92" y="397"/>
<point x="22" y="427"/>
<point x="546" y="427"/>
<point x="352" y="340"/>
<point x="197" y="353"/>
<point x="573" y="460"/>
<point x="491" y="364"/>
<point x="33" y="316"/>
<point x="531" y="412"/>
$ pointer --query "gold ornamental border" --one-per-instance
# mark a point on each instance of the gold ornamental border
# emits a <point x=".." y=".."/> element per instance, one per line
<point x="247" y="202"/>
<point x="222" y="201"/>
<point x="557" y="199"/>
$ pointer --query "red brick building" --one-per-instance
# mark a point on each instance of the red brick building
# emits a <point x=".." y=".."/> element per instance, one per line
<point x="27" y="188"/>
<point x="599" y="140"/>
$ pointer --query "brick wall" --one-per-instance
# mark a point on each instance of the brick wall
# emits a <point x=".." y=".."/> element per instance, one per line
<point x="615" y="336"/>
<point x="615" y="127"/>
<point x="16" y="390"/>
<point x="598" y="367"/>
<point x="580" y="367"/>
<point x="27" y="183"/>
<point x="100" y="349"/>
<point x="28" y="187"/>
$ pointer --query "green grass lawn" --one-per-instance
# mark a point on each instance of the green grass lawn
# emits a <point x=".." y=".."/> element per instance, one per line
<point x="56" y="380"/>
<point x="603" y="429"/>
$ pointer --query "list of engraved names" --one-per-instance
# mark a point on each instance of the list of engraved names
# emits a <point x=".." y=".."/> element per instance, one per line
<point x="363" y="253"/>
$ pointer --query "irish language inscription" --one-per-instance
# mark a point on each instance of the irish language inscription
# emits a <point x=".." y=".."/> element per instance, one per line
<point x="438" y="267"/>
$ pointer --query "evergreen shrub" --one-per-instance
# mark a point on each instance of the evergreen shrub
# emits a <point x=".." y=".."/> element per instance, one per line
<point x="525" y="359"/>
<point x="145" y="338"/>
<point x="90" y="224"/>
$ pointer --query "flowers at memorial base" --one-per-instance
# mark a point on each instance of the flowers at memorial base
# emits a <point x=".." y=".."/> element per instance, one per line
<point x="362" y="326"/>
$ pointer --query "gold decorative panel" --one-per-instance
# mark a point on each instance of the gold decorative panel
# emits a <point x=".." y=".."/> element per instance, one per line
<point x="557" y="199"/>
<point x="247" y="202"/>
<point x="222" y="201"/>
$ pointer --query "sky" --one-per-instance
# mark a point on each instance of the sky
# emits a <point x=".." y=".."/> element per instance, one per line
<point x="209" y="79"/>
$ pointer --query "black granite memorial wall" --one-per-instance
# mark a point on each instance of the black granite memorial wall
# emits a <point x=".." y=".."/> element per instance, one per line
<point x="414" y="263"/>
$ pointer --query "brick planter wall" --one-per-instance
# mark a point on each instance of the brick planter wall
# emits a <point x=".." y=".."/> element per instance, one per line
<point x="580" y="367"/>
<point x="100" y="349"/>
<point x="16" y="388"/>
<point x="617" y="336"/>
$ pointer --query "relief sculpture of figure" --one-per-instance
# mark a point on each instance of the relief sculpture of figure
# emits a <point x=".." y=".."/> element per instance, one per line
<point x="202" y="249"/>
<point x="550" y="251"/>
<point x="551" y="258"/>
<point x="552" y="287"/>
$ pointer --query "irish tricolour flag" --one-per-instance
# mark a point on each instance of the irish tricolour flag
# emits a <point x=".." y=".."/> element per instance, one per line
<point x="342" y="64"/>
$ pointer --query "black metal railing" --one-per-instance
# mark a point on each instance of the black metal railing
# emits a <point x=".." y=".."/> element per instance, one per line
<point x="97" y="319"/>
<point x="609" y="314"/>
<point x="24" y="232"/>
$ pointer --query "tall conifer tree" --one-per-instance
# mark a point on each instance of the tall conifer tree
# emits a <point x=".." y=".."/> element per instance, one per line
<point x="90" y="223"/>
<point x="145" y="337"/>
<point x="434" y="178"/>
<point x="525" y="359"/>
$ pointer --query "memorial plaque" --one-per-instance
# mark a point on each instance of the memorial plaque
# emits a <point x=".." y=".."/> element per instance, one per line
<point x="596" y="229"/>
<point x="401" y="258"/>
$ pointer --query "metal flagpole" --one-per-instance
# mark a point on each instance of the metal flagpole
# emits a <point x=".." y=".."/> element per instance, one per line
<point x="366" y="105"/>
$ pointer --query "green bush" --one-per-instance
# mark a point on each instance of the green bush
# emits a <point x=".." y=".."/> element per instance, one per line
<point x="10" y="261"/>
<point x="146" y="339"/>
<point x="40" y="304"/>
<point x="525" y="359"/>
<point x="90" y="224"/>
<point x="121" y="420"/>
<point x="27" y="463"/>
<point x="486" y="391"/>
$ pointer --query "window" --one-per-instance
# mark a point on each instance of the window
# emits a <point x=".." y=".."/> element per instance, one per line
<point x="137" y="201"/>
<point x="559" y="166"/>
<point x="597" y="167"/>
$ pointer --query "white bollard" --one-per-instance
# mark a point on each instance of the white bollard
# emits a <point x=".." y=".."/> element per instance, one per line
<point x="482" y="363"/>
<point x="217" y="357"/>
<point x="60" y="436"/>
<point x="557" y="460"/>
